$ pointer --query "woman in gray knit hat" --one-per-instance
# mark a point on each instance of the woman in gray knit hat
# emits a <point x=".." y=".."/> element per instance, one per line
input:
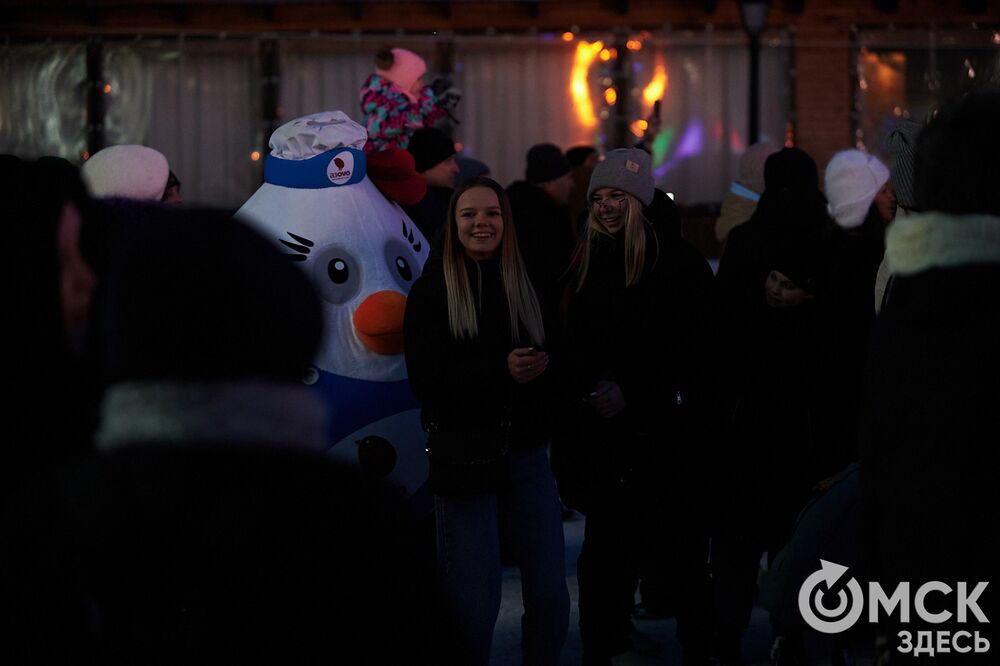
<point x="638" y="320"/>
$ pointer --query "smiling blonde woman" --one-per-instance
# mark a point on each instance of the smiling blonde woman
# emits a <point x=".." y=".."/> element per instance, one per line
<point x="474" y="351"/>
<point x="638" y="331"/>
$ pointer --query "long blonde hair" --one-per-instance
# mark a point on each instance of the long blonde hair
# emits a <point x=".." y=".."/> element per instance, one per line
<point x="521" y="299"/>
<point x="635" y="243"/>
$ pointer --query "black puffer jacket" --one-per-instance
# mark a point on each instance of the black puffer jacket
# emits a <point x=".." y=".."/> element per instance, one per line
<point x="646" y="337"/>
<point x="464" y="385"/>
<point x="652" y="339"/>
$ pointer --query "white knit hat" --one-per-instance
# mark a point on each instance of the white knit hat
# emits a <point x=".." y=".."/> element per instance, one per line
<point x="852" y="180"/>
<point x="128" y="171"/>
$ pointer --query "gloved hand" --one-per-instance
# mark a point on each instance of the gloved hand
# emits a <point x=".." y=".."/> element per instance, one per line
<point x="440" y="84"/>
<point x="450" y="99"/>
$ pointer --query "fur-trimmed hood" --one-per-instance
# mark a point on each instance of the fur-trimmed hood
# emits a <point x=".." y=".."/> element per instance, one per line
<point x="940" y="240"/>
<point x="238" y="413"/>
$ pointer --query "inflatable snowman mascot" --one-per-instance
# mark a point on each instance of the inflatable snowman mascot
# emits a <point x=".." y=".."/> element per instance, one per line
<point x="363" y="253"/>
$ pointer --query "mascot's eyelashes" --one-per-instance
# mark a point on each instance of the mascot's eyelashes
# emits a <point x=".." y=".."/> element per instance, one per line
<point x="408" y="235"/>
<point x="302" y="246"/>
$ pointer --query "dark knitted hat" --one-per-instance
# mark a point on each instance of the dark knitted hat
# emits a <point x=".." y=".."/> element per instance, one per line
<point x="902" y="144"/>
<point x="790" y="169"/>
<point x="577" y="155"/>
<point x="469" y="168"/>
<point x="429" y="147"/>
<point x="197" y="295"/>
<point x="545" y="162"/>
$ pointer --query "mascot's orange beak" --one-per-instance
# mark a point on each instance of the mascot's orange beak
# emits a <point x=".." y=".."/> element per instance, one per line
<point x="379" y="322"/>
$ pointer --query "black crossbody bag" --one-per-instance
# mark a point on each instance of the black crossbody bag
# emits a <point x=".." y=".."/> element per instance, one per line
<point x="468" y="461"/>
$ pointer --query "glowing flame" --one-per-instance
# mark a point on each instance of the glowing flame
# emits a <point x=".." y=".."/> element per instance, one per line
<point x="567" y="36"/>
<point x="610" y="96"/>
<point x="585" y="54"/>
<point x="655" y="89"/>
<point x="605" y="55"/>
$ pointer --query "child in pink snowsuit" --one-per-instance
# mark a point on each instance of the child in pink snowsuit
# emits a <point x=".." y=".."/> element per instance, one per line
<point x="395" y="101"/>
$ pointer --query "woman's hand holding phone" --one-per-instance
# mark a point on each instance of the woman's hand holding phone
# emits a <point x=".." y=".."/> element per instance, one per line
<point x="526" y="364"/>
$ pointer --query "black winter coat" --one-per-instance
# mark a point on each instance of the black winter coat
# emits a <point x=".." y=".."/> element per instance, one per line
<point x="653" y="340"/>
<point x="464" y="385"/>
<point x="932" y="423"/>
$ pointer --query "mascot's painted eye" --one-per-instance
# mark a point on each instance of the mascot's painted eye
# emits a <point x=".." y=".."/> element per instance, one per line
<point x="338" y="270"/>
<point x="401" y="263"/>
<point x="404" y="269"/>
<point x="337" y="274"/>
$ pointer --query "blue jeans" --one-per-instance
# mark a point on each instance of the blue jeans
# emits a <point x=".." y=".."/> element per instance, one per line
<point x="470" y="568"/>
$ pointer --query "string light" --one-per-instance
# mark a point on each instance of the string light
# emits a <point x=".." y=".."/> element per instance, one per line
<point x="862" y="90"/>
<point x="579" y="88"/>
<point x="655" y="89"/>
<point x="610" y="96"/>
<point x="567" y="36"/>
<point x="639" y="127"/>
<point x="633" y="45"/>
<point x="255" y="155"/>
<point x="107" y="88"/>
<point x="605" y="55"/>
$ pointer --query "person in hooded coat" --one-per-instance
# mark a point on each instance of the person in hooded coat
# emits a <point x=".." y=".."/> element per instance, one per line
<point x="211" y="527"/>
<point x="930" y="422"/>
<point x="789" y="175"/>
<point x="51" y="409"/>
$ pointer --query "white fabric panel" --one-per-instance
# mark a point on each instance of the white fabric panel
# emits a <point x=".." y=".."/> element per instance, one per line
<point x="515" y="96"/>
<point x="323" y="76"/>
<point x="705" y="106"/>
<point x="43" y="107"/>
<point x="197" y="102"/>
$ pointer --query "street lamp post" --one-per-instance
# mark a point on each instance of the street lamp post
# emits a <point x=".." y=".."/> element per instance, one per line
<point x="753" y="14"/>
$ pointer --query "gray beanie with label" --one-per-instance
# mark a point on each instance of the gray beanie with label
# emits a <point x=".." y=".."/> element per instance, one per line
<point x="626" y="169"/>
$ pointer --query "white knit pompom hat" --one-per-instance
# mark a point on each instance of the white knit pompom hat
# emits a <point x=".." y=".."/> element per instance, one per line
<point x="128" y="172"/>
<point x="852" y="180"/>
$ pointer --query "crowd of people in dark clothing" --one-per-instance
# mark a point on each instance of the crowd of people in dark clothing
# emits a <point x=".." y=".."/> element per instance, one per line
<point x="831" y="393"/>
